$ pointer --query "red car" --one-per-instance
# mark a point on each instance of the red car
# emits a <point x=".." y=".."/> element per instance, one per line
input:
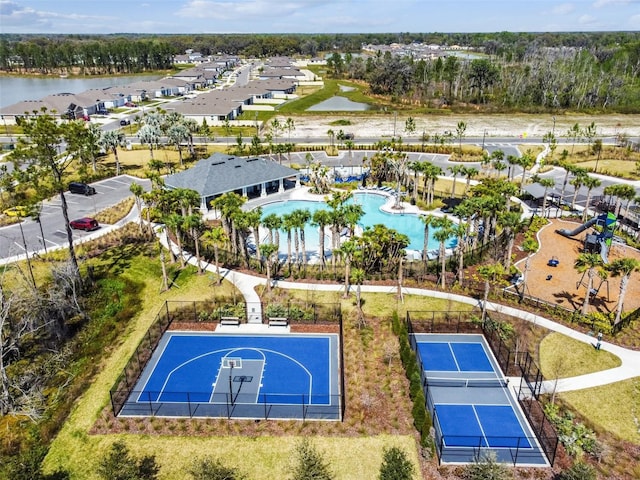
<point x="87" y="224"/>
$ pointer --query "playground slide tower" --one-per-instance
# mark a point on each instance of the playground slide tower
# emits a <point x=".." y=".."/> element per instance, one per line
<point x="608" y="223"/>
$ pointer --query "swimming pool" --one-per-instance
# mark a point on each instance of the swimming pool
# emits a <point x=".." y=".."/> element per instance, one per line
<point x="406" y="223"/>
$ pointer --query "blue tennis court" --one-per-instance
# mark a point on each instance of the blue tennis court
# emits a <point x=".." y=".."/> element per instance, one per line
<point x="481" y="426"/>
<point x="248" y="376"/>
<point x="454" y="357"/>
<point x="472" y="409"/>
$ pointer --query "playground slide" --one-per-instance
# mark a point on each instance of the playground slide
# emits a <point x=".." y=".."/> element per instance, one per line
<point x="604" y="250"/>
<point x="572" y="233"/>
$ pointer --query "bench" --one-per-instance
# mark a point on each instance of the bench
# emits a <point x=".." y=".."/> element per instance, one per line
<point x="278" y="322"/>
<point x="230" y="321"/>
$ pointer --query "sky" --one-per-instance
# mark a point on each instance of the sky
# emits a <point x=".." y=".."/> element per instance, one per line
<point x="315" y="16"/>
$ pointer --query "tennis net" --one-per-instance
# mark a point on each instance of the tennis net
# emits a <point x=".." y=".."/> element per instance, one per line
<point x="467" y="382"/>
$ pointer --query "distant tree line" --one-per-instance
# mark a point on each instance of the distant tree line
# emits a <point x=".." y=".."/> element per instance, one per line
<point x="542" y="79"/>
<point x="520" y="71"/>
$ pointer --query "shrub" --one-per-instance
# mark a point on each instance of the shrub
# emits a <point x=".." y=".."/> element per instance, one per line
<point x="578" y="471"/>
<point x="310" y="464"/>
<point x="208" y="468"/>
<point x="395" y="465"/>
<point x="487" y="468"/>
<point x="119" y="464"/>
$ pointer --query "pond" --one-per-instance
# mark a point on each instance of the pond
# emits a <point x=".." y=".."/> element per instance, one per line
<point x="339" y="104"/>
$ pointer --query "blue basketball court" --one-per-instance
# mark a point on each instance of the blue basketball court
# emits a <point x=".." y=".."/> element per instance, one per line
<point x="240" y="376"/>
<point x="472" y="408"/>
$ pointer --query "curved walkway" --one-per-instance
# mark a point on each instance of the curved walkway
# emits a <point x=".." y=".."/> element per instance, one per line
<point x="630" y="359"/>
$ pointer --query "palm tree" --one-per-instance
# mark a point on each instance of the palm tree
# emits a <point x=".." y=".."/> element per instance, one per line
<point x="254" y="219"/>
<point x="288" y="224"/>
<point x="547" y="183"/>
<point x="174" y="221"/>
<point x="590" y="263"/>
<point x="137" y="191"/>
<point x="591" y="183"/>
<point x="268" y="249"/>
<point x="444" y="232"/>
<point x="321" y="218"/>
<point x="430" y="174"/>
<point x="622" y="267"/>
<point x="460" y="230"/>
<point x="489" y="273"/>
<point x="163" y="264"/>
<point x="178" y="133"/>
<point x="497" y="158"/>
<point x="357" y="277"/>
<point x="193" y="224"/>
<point x="216" y="238"/>
<point x="332" y="136"/>
<point x="427" y="220"/>
<point x="303" y="216"/>
<point x="111" y="140"/>
<point x="469" y="173"/>
<point x="150" y="135"/>
<point x="569" y="170"/>
<point x="512" y="161"/>
<point x="272" y="223"/>
<point x="577" y="183"/>
<point x="461" y="128"/>
<point x="530" y="246"/>
<point x="455" y="171"/>
<point x="347" y="251"/>
<point x="511" y="223"/>
<point x="526" y="161"/>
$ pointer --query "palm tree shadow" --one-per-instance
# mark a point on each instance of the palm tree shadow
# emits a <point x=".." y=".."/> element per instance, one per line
<point x="570" y="298"/>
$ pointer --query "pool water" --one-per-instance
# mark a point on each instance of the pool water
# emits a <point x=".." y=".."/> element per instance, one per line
<point x="407" y="223"/>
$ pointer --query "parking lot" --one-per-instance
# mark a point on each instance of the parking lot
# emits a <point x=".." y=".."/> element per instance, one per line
<point x="53" y="235"/>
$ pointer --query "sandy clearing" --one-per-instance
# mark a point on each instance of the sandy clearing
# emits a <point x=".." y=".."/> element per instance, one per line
<point x="502" y="125"/>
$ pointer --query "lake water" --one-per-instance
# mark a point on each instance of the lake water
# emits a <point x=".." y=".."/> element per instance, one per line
<point x="338" y="104"/>
<point x="17" y="89"/>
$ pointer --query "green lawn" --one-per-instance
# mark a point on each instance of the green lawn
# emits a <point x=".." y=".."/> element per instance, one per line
<point x="612" y="408"/>
<point x="564" y="357"/>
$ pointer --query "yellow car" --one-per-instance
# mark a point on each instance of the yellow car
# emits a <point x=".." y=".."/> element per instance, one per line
<point x="17" y="211"/>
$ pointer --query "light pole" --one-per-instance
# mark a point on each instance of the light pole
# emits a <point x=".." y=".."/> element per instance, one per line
<point x="553" y="131"/>
<point x="484" y="134"/>
<point x="395" y="118"/>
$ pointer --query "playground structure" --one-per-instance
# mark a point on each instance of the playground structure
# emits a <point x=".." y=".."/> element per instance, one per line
<point x="555" y="284"/>
<point x="598" y="241"/>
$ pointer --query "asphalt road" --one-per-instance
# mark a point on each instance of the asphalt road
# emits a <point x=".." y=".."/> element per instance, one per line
<point x="108" y="192"/>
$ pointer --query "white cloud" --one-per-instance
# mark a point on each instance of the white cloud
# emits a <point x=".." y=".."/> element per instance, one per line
<point x="586" y="19"/>
<point x="634" y="22"/>
<point x="563" y="9"/>
<point x="239" y="10"/>
<point x="604" y="3"/>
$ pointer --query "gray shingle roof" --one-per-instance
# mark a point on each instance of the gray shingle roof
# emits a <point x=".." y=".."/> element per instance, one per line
<point x="221" y="173"/>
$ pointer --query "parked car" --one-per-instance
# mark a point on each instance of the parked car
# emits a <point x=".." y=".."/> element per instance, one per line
<point x="349" y="136"/>
<point x="17" y="211"/>
<point x="86" y="223"/>
<point x="124" y="122"/>
<point x="130" y="104"/>
<point x="81" y="188"/>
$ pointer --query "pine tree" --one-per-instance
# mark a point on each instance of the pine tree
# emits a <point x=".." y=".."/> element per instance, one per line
<point x="395" y="465"/>
<point x="310" y="465"/>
